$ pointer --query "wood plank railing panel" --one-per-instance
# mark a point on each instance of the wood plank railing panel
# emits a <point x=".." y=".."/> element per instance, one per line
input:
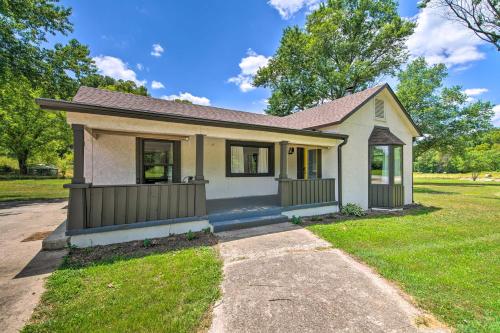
<point x="386" y="196"/>
<point x="99" y="206"/>
<point x="295" y="192"/>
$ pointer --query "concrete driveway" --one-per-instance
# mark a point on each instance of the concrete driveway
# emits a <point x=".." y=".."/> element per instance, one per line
<point x="22" y="266"/>
<point x="282" y="278"/>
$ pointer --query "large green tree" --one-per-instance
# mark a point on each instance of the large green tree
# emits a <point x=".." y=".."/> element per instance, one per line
<point x="25" y="50"/>
<point x="346" y="44"/>
<point x="447" y="119"/>
<point x="25" y="129"/>
<point x="108" y="83"/>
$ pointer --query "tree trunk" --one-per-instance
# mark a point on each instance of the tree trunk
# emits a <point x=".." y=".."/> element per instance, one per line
<point x="23" y="164"/>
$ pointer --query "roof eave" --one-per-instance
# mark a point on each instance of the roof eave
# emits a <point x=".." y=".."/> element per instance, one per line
<point x="52" y="104"/>
<point x="386" y="85"/>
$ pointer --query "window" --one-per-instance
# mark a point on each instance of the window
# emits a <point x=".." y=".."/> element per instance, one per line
<point x="383" y="158"/>
<point x="308" y="163"/>
<point x="380" y="165"/>
<point x="379" y="109"/>
<point x="249" y="159"/>
<point x="159" y="161"/>
<point x="398" y="165"/>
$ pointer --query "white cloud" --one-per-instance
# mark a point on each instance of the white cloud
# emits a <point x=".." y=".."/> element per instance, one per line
<point x="249" y="66"/>
<point x="140" y="66"/>
<point x="287" y="8"/>
<point x="116" y="68"/>
<point x="496" y="116"/>
<point x="157" y="50"/>
<point x="475" y="91"/>
<point x="157" y="85"/>
<point x="188" y="97"/>
<point x="442" y="40"/>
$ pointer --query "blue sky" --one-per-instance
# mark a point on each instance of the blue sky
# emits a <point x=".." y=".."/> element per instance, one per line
<point x="207" y="51"/>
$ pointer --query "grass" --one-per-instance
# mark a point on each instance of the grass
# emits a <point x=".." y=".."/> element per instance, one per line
<point x="168" y="292"/>
<point x="446" y="255"/>
<point x="33" y="189"/>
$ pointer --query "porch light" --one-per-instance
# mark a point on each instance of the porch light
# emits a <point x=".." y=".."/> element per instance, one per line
<point x="291" y="150"/>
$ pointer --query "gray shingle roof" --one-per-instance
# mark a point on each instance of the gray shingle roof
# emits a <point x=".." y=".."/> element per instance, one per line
<point x="325" y="114"/>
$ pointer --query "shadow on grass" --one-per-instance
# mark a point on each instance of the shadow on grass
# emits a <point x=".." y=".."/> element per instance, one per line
<point x="430" y="191"/>
<point x="109" y="254"/>
<point x="7" y="204"/>
<point x="456" y="184"/>
<point x="413" y="210"/>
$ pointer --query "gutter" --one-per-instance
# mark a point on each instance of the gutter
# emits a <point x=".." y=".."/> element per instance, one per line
<point x="339" y="171"/>
<point x="59" y="105"/>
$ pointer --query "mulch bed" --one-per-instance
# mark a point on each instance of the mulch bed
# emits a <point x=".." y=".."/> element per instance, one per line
<point x="338" y="217"/>
<point x="87" y="256"/>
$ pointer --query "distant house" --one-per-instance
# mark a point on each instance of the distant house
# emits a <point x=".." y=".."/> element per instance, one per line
<point x="147" y="167"/>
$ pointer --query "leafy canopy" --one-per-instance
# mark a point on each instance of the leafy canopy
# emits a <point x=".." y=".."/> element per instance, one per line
<point x="25" y="129"/>
<point x="24" y="30"/>
<point x="346" y="44"/>
<point x="108" y="83"/>
<point x="444" y="114"/>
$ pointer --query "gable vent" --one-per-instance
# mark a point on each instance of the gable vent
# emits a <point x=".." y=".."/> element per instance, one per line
<point x="379" y="109"/>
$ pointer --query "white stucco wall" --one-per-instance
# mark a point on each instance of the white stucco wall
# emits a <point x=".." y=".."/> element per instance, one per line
<point x="110" y="159"/>
<point x="355" y="153"/>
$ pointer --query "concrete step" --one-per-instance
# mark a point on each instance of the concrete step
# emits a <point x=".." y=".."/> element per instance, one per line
<point x="247" y="222"/>
<point x="244" y="213"/>
<point x="57" y="240"/>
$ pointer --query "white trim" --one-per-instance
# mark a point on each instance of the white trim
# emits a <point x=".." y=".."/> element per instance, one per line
<point x="133" y="234"/>
<point x="311" y="211"/>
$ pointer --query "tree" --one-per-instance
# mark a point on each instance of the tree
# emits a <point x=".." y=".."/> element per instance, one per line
<point x="25" y="129"/>
<point x="443" y="114"/>
<point x="480" y="16"/>
<point x="481" y="158"/>
<point x="108" y="83"/>
<point x="346" y="44"/>
<point x="24" y="30"/>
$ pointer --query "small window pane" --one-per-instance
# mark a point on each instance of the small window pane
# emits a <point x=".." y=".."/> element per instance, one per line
<point x="398" y="165"/>
<point x="380" y="165"/>
<point x="312" y="164"/>
<point x="158" y="159"/>
<point x="249" y="160"/>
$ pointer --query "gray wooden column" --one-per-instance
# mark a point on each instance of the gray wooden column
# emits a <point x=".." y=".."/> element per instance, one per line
<point x="283" y="160"/>
<point x="78" y="151"/>
<point x="199" y="157"/>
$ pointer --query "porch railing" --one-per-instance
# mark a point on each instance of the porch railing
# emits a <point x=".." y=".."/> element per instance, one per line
<point x="386" y="196"/>
<point x="306" y="191"/>
<point x="99" y="206"/>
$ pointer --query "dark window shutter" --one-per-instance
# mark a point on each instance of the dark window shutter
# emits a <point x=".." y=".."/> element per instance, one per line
<point x="138" y="160"/>
<point x="300" y="163"/>
<point x="176" y="172"/>
<point x="320" y="164"/>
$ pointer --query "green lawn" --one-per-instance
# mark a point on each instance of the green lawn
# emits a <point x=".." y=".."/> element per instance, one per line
<point x="168" y="292"/>
<point x="446" y="255"/>
<point x="33" y="189"/>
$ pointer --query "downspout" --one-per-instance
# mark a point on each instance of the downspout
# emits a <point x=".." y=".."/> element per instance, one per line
<point x="339" y="170"/>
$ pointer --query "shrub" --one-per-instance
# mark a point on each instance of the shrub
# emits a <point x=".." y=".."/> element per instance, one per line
<point x="146" y="242"/>
<point x="296" y="220"/>
<point x="352" y="209"/>
<point x="190" y="235"/>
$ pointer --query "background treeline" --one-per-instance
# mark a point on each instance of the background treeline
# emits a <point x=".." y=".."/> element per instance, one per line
<point x="345" y="45"/>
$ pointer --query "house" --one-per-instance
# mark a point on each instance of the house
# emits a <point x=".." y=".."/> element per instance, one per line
<point x="146" y="167"/>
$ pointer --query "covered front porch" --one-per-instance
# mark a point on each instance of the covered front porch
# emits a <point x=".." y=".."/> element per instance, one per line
<point x="199" y="180"/>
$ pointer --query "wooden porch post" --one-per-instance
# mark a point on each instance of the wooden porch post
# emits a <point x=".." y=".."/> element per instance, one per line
<point x="199" y="157"/>
<point x="77" y="203"/>
<point x="78" y="151"/>
<point x="283" y="160"/>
